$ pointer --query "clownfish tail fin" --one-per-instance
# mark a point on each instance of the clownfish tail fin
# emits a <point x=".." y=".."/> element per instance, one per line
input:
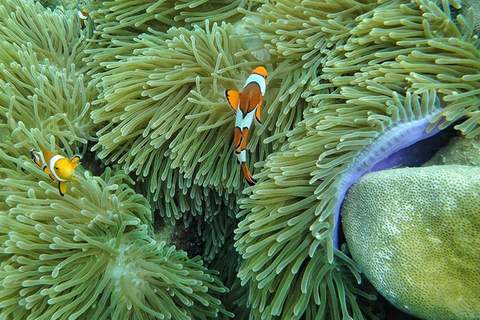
<point x="36" y="157"/>
<point x="248" y="176"/>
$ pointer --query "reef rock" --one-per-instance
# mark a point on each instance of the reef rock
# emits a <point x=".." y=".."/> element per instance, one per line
<point x="415" y="233"/>
<point x="459" y="150"/>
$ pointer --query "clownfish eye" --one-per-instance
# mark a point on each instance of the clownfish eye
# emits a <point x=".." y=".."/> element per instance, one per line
<point x="56" y="168"/>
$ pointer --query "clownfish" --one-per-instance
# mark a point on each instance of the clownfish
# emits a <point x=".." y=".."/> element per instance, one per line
<point x="83" y="15"/>
<point x="246" y="106"/>
<point x="58" y="167"/>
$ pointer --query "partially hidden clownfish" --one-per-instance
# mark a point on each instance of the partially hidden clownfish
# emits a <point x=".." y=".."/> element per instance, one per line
<point x="58" y="167"/>
<point x="246" y="106"/>
<point x="83" y="15"/>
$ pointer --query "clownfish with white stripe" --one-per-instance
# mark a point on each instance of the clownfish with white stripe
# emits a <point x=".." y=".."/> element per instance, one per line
<point x="246" y="106"/>
<point x="58" y="167"/>
<point x="83" y="15"/>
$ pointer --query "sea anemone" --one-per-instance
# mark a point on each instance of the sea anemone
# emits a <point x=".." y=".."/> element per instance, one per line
<point x="40" y="87"/>
<point x="117" y="23"/>
<point x="165" y="119"/>
<point x="393" y="73"/>
<point x="91" y="254"/>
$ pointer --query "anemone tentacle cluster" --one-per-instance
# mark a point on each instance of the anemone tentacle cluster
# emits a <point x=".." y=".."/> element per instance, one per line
<point x="140" y="88"/>
<point x="384" y="66"/>
<point x="118" y="23"/>
<point x="93" y="253"/>
<point x="91" y="256"/>
<point x="40" y="86"/>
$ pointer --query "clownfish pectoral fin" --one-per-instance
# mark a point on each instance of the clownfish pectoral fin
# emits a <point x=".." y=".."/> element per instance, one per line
<point x="74" y="179"/>
<point x="248" y="176"/>
<point x="62" y="187"/>
<point x="257" y="115"/>
<point x="237" y="139"/>
<point x="75" y="161"/>
<point x="233" y="97"/>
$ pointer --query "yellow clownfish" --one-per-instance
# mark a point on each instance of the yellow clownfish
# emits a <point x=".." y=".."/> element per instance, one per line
<point x="58" y="167"/>
<point x="246" y="106"/>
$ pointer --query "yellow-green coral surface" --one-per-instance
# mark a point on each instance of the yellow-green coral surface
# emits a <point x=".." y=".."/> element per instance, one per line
<point x="415" y="233"/>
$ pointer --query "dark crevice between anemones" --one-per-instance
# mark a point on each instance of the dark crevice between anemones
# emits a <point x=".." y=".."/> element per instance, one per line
<point x="418" y="153"/>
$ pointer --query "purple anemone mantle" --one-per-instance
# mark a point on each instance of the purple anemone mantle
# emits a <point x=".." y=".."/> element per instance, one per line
<point x="398" y="146"/>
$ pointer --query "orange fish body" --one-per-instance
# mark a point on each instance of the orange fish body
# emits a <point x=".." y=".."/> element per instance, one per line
<point x="58" y="167"/>
<point x="246" y="106"/>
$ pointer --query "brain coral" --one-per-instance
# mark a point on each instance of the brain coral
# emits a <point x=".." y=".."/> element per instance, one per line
<point x="415" y="234"/>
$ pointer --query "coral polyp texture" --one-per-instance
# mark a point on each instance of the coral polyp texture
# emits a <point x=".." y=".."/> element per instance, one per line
<point x="414" y="232"/>
<point x="458" y="151"/>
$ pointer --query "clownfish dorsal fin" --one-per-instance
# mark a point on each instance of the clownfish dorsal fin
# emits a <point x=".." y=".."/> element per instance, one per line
<point x="47" y="154"/>
<point x="75" y="160"/>
<point x="233" y="97"/>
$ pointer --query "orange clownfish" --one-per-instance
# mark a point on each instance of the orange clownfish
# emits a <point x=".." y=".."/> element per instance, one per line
<point x="246" y="106"/>
<point x="58" y="167"/>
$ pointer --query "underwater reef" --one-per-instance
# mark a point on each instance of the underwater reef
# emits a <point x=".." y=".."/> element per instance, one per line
<point x="161" y="224"/>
